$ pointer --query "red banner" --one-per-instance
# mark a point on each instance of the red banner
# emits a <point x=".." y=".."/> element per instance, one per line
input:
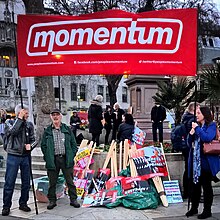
<point x="109" y="42"/>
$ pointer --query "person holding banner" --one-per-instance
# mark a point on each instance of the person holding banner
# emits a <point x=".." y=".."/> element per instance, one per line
<point x="202" y="167"/>
<point x="59" y="149"/>
<point x="20" y="140"/>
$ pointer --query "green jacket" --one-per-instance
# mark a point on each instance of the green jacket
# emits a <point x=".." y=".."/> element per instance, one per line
<point x="47" y="146"/>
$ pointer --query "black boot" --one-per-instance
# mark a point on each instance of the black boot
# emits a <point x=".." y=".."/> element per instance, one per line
<point x="205" y="214"/>
<point x="191" y="212"/>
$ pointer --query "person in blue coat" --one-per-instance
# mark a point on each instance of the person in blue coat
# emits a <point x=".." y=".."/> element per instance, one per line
<point x="202" y="167"/>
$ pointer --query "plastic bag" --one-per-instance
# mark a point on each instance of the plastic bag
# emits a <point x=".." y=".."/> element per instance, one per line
<point x="144" y="200"/>
<point x="118" y="200"/>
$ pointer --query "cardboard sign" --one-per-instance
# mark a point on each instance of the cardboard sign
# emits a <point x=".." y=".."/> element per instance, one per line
<point x="101" y="198"/>
<point x="149" y="160"/>
<point x="138" y="136"/>
<point x="113" y="182"/>
<point x="138" y="184"/>
<point x="172" y="191"/>
<point x="82" y="183"/>
<point x="109" y="42"/>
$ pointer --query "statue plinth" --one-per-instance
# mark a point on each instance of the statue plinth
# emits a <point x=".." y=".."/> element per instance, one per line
<point x="142" y="88"/>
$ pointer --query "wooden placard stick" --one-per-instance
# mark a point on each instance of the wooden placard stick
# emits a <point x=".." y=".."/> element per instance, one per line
<point x="90" y="145"/>
<point x="109" y="154"/>
<point x="115" y="162"/>
<point x="134" y="146"/>
<point x="112" y="166"/>
<point x="132" y="165"/>
<point x="120" y="156"/>
<point x="90" y="157"/>
<point x="84" y="143"/>
<point x="161" y="145"/>
<point x="126" y="148"/>
<point x="159" y="186"/>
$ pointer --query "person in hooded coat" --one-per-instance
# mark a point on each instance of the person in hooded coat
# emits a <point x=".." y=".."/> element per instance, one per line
<point x="187" y="119"/>
<point x="95" y="117"/>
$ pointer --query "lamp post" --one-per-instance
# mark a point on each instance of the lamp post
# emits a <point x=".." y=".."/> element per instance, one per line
<point x="78" y="99"/>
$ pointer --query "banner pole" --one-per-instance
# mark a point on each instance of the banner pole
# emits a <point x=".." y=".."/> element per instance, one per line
<point x="16" y="54"/>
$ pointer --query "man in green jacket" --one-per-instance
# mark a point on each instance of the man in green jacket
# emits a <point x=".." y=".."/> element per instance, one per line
<point x="59" y="149"/>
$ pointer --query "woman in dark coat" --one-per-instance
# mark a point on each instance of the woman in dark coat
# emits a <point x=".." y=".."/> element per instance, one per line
<point x="95" y="118"/>
<point x="202" y="167"/>
<point x="126" y="129"/>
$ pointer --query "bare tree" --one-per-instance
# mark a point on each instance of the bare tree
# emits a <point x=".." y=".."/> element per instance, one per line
<point x="44" y="92"/>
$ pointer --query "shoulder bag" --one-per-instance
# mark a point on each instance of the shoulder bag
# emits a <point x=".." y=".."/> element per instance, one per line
<point x="214" y="146"/>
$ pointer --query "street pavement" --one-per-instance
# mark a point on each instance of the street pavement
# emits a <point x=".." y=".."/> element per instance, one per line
<point x="63" y="211"/>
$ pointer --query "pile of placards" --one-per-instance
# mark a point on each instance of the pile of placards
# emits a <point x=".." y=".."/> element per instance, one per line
<point x="108" y="188"/>
<point x="83" y="176"/>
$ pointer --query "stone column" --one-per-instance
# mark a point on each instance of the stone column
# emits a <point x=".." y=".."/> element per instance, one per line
<point x="142" y="88"/>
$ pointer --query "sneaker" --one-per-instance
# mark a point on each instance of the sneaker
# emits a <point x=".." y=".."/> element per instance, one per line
<point x="5" y="211"/>
<point x="75" y="204"/>
<point x="51" y="205"/>
<point x="25" y="208"/>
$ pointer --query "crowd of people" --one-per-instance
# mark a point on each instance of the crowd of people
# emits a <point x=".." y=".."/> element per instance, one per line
<point x="113" y="120"/>
<point x="59" y="148"/>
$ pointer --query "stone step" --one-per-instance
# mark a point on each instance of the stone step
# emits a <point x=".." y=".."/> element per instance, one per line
<point x="36" y="173"/>
<point x="36" y="165"/>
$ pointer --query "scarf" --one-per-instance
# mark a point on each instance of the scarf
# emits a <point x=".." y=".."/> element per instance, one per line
<point x="196" y="160"/>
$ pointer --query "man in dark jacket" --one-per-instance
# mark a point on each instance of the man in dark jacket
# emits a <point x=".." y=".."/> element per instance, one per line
<point x="158" y="115"/>
<point x="75" y="122"/>
<point x="117" y="119"/>
<point x="59" y="149"/>
<point x="20" y="137"/>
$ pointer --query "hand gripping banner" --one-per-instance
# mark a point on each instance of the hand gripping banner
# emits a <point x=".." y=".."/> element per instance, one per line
<point x="109" y="42"/>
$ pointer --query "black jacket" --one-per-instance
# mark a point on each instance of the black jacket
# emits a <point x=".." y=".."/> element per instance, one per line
<point x="187" y="119"/>
<point x="117" y="120"/>
<point x="125" y="131"/>
<point x="95" y="117"/>
<point x="158" y="114"/>
<point x="20" y="133"/>
<point x="108" y="120"/>
<point x="75" y="120"/>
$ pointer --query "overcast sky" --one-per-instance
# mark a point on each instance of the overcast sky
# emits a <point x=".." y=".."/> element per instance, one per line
<point x="217" y="2"/>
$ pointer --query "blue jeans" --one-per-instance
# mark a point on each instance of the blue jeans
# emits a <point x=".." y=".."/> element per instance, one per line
<point x="12" y="165"/>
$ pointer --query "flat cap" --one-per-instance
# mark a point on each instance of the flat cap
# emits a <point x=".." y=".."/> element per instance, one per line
<point x="55" y="110"/>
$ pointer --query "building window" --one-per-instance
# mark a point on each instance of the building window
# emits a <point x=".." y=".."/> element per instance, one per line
<point x="56" y="92"/>
<point x="107" y="95"/>
<point x="211" y="44"/>
<point x="7" y="57"/>
<point x="8" y="81"/>
<point x="82" y="90"/>
<point x="73" y="92"/>
<point x="204" y="42"/>
<point x="0" y="82"/>
<point x="124" y="94"/>
<point x="100" y="90"/>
